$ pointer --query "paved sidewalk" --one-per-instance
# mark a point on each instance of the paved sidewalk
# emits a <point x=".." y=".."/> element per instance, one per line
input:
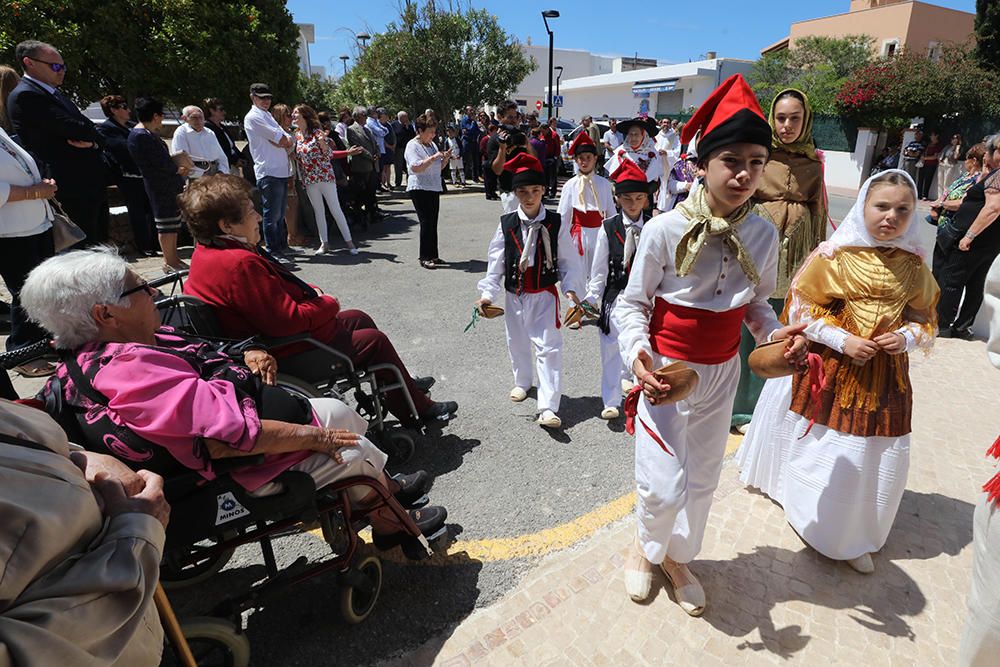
<point x="771" y="598"/>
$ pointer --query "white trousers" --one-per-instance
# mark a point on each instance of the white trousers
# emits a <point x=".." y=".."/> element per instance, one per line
<point x="327" y="190"/>
<point x="613" y="369"/>
<point x="531" y="327"/>
<point x="365" y="460"/>
<point x="588" y="237"/>
<point x="981" y="639"/>
<point x="675" y="492"/>
<point x="509" y="202"/>
<point x="457" y="172"/>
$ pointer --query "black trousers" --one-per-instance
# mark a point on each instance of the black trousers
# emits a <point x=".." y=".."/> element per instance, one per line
<point x="399" y="166"/>
<point x="551" y="177"/>
<point x="427" y="203"/>
<point x="490" y="181"/>
<point x="140" y="216"/>
<point x="18" y="256"/>
<point x="925" y="178"/>
<point x="90" y="214"/>
<point x="363" y="188"/>
<point x="962" y="272"/>
<point x="471" y="161"/>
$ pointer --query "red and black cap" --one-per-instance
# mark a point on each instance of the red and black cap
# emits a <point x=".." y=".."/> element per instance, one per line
<point x="730" y="115"/>
<point x="582" y="144"/>
<point x="525" y="170"/>
<point x="629" y="177"/>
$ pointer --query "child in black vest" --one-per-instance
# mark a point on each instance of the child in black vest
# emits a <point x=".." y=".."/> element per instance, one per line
<point x="614" y="251"/>
<point x="525" y="263"/>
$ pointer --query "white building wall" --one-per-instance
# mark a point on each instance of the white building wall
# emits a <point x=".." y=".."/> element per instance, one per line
<point x="575" y="64"/>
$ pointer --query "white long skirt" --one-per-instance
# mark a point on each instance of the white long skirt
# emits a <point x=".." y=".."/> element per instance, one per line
<point x="764" y="452"/>
<point x="841" y="492"/>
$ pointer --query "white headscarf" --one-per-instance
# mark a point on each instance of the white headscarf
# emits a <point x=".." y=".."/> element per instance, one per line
<point x="853" y="233"/>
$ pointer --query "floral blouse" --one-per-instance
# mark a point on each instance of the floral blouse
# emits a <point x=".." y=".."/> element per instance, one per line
<point x="315" y="163"/>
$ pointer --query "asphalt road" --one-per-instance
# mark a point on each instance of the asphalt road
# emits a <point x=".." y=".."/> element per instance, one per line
<point x="498" y="473"/>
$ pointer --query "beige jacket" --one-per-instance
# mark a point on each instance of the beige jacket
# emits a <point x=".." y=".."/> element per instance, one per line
<point x="75" y="589"/>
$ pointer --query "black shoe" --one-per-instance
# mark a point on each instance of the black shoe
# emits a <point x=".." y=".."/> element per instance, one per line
<point x="440" y="412"/>
<point x="430" y="520"/>
<point x="963" y="334"/>
<point x="413" y="488"/>
<point x="945" y="332"/>
<point x="424" y="384"/>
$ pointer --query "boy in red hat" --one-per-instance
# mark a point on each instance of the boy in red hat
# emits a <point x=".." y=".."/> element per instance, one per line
<point x="614" y="252"/>
<point x="531" y="252"/>
<point x="586" y="200"/>
<point x="701" y="271"/>
<point x="640" y="148"/>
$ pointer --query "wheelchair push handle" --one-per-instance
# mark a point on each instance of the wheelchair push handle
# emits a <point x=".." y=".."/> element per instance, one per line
<point x="9" y="360"/>
<point x="168" y="279"/>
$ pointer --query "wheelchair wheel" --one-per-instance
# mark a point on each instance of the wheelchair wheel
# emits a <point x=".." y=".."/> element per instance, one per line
<point x="357" y="604"/>
<point x="297" y="386"/>
<point x="398" y="445"/>
<point x="174" y="578"/>
<point x="214" y="642"/>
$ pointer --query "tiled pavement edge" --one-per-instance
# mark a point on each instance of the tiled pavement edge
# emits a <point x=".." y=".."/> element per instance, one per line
<point x="771" y="598"/>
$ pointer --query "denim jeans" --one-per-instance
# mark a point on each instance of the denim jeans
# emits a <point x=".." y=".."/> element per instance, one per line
<point x="274" y="199"/>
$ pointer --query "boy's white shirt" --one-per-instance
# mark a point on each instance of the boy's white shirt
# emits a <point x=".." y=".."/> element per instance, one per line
<point x="599" y="268"/>
<point x="654" y="275"/>
<point x="569" y="263"/>
<point x="570" y="197"/>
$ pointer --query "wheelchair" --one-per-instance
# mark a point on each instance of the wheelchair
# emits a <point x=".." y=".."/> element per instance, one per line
<point x="317" y="371"/>
<point x="210" y="519"/>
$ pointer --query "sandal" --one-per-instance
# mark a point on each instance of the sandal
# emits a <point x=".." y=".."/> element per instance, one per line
<point x="38" y="368"/>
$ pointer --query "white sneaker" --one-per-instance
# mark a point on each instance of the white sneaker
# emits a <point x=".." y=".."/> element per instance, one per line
<point x="354" y="251"/>
<point x="627" y="386"/>
<point x="609" y="413"/>
<point x="743" y="428"/>
<point x="517" y="394"/>
<point x="322" y="249"/>
<point x="548" y="419"/>
<point x="862" y="564"/>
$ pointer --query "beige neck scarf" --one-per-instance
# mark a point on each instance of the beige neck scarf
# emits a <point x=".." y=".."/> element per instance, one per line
<point x="587" y="184"/>
<point x="533" y="231"/>
<point x="704" y="225"/>
<point x="632" y="230"/>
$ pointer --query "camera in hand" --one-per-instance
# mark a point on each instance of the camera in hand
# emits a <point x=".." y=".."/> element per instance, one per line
<point x="515" y="136"/>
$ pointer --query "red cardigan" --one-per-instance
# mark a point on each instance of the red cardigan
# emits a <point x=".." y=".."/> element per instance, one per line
<point x="251" y="297"/>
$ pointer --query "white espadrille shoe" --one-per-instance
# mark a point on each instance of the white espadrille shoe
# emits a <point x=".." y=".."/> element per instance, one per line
<point x="863" y="564"/>
<point x="609" y="413"/>
<point x="687" y="589"/>
<point x="638" y="574"/>
<point x="517" y="394"/>
<point x="549" y="419"/>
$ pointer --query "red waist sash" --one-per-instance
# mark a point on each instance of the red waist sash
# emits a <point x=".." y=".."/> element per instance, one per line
<point x="588" y="219"/>
<point x="693" y="334"/>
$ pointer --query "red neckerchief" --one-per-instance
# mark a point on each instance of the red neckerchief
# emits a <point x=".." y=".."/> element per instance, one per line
<point x="992" y="487"/>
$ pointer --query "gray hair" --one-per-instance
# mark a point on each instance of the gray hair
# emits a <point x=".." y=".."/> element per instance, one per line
<point x="992" y="143"/>
<point x="359" y="111"/>
<point x="401" y="114"/>
<point x="188" y="109"/>
<point x="61" y="291"/>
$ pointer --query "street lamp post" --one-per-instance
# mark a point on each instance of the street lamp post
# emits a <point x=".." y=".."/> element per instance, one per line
<point x="558" y="68"/>
<point x="546" y="15"/>
<point x="344" y="59"/>
<point x="363" y="37"/>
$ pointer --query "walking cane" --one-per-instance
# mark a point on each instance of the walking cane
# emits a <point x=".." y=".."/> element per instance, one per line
<point x="173" y="628"/>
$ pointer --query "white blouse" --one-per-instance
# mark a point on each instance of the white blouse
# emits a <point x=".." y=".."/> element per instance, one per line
<point x="716" y="283"/>
<point x="27" y="217"/>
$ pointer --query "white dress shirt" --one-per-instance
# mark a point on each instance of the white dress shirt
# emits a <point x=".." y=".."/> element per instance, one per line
<point x="202" y="145"/>
<point x="263" y="133"/>
<point x="613" y="139"/>
<point x="568" y="261"/>
<point x="570" y="197"/>
<point x="716" y="283"/>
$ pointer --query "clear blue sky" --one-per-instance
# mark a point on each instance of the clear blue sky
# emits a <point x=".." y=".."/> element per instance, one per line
<point x="676" y="31"/>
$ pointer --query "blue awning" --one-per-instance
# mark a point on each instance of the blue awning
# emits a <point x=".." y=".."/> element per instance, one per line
<point x="664" y="86"/>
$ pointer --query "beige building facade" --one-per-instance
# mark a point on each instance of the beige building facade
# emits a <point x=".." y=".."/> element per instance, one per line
<point x="895" y="25"/>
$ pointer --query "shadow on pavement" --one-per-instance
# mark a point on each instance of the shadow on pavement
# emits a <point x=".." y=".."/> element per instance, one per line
<point x="577" y="409"/>
<point x="469" y="266"/>
<point x="439" y="453"/>
<point x="927" y="526"/>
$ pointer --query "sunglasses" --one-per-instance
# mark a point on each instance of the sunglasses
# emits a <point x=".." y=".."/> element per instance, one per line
<point x="56" y="67"/>
<point x="141" y="287"/>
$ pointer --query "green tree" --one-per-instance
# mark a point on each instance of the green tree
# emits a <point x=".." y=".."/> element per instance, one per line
<point x="443" y="60"/>
<point x="180" y="51"/>
<point x="890" y="91"/>
<point x="988" y="34"/>
<point x="317" y="92"/>
<point x="817" y="65"/>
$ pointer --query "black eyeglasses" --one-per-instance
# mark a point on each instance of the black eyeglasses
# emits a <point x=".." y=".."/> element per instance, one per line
<point x="141" y="287"/>
<point x="56" y="67"/>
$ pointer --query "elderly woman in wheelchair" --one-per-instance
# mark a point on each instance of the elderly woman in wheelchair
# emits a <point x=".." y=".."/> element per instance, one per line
<point x="254" y="295"/>
<point x="155" y="397"/>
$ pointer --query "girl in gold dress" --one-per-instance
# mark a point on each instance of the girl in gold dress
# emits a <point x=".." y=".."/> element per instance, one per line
<point x="832" y="445"/>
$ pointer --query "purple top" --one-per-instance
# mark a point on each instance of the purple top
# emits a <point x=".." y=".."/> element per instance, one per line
<point x="163" y="399"/>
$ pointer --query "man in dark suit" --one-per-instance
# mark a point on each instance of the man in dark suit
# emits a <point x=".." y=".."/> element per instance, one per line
<point x="63" y="140"/>
<point x="215" y="113"/>
<point x="404" y="133"/>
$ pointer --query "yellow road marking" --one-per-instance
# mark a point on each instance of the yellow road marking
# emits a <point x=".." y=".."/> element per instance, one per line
<point x="534" y="544"/>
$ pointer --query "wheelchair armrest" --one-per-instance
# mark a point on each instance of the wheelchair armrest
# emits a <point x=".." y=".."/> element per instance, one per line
<point x="340" y="357"/>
